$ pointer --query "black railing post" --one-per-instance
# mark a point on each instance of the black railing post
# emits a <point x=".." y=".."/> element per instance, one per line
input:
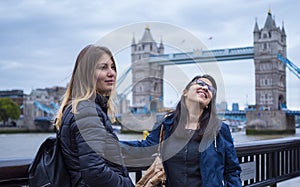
<point x="274" y="168"/>
<point x="138" y="176"/>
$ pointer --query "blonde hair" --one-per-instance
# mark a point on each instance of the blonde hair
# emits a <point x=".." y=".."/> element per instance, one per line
<point x="82" y="85"/>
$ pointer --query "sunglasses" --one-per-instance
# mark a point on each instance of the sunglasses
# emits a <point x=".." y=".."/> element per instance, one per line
<point x="202" y="83"/>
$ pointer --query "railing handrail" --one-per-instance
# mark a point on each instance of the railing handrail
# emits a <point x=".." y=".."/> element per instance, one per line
<point x="13" y="171"/>
<point x="264" y="146"/>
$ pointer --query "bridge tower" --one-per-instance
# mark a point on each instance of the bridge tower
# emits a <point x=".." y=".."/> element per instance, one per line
<point x="270" y="72"/>
<point x="270" y="80"/>
<point x="147" y="78"/>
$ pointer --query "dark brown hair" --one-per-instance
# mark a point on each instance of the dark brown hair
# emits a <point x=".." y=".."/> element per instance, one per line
<point x="209" y="122"/>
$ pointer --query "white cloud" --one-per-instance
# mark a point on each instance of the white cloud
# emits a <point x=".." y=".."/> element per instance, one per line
<point x="9" y="65"/>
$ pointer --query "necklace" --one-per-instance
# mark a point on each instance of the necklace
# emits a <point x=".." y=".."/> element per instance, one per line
<point x="192" y="126"/>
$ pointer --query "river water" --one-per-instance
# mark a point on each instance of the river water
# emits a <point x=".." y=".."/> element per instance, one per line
<point x="26" y="145"/>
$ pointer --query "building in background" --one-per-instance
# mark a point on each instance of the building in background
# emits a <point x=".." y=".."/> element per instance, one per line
<point x="15" y="95"/>
<point x="40" y="107"/>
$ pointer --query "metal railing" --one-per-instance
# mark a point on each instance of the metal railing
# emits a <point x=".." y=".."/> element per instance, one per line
<point x="264" y="163"/>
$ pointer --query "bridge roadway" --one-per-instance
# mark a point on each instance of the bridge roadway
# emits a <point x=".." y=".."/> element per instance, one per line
<point x="200" y="56"/>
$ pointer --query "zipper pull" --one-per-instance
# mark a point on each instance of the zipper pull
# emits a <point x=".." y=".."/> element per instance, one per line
<point x="215" y="143"/>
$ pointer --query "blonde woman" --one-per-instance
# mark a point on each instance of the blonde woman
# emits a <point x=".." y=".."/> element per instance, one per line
<point x="90" y="148"/>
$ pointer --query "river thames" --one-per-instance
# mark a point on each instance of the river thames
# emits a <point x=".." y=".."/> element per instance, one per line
<point x="26" y="145"/>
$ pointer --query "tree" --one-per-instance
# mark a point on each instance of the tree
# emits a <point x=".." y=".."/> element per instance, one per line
<point x="8" y="110"/>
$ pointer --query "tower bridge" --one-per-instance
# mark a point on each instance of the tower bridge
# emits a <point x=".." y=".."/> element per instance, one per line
<point x="270" y="60"/>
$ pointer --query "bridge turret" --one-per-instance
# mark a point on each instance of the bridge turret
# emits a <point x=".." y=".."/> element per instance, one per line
<point x="283" y="38"/>
<point x="133" y="44"/>
<point x="256" y="32"/>
<point x="133" y="49"/>
<point x="161" y="48"/>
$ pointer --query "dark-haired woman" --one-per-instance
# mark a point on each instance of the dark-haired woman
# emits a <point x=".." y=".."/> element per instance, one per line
<point x="198" y="148"/>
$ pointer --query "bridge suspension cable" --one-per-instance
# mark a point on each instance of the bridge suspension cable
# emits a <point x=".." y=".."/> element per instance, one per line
<point x="125" y="92"/>
<point x="290" y="65"/>
<point x="44" y="108"/>
<point x="123" y="77"/>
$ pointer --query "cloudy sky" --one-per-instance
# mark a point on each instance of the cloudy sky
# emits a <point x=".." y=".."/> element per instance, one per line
<point x="40" y="39"/>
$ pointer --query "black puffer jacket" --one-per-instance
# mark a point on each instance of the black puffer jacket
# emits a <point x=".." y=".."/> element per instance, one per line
<point x="90" y="148"/>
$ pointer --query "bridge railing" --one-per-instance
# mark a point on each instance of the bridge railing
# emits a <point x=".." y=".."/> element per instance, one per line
<point x="264" y="163"/>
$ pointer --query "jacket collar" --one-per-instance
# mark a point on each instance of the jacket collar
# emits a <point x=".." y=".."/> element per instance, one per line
<point x="102" y="101"/>
<point x="168" y="119"/>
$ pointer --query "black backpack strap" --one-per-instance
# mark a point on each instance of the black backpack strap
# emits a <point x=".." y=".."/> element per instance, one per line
<point x="58" y="136"/>
<point x="68" y="109"/>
